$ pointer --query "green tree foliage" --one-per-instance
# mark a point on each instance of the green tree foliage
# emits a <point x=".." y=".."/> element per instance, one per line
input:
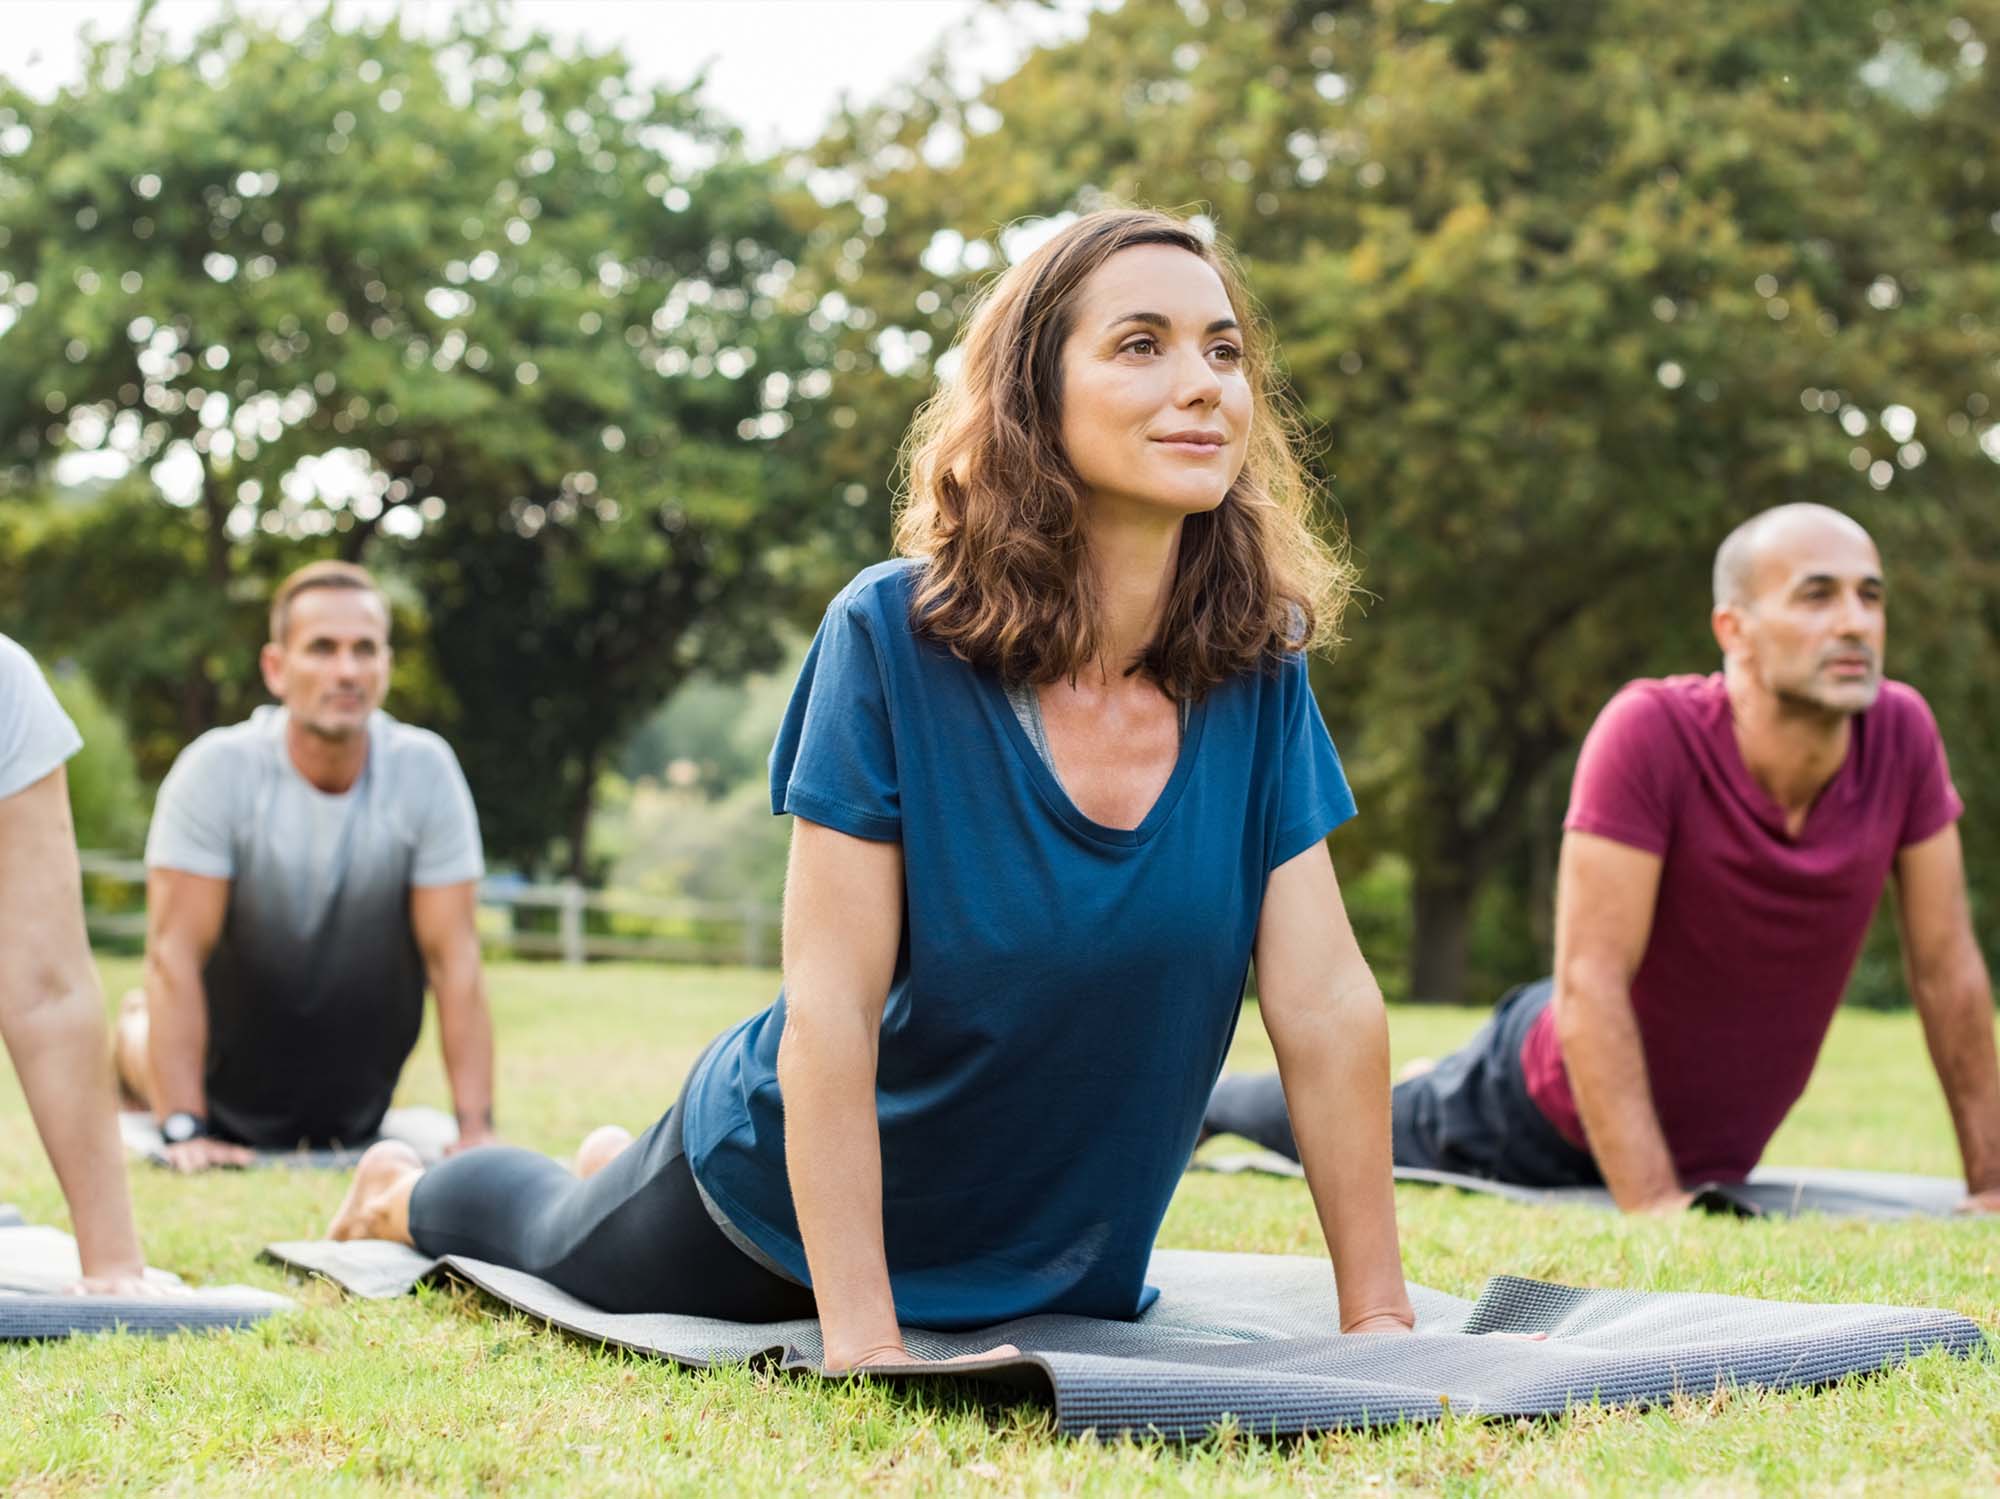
<point x="105" y="799"/>
<point x="1566" y="289"/>
<point x="714" y="734"/>
<point x="477" y="310"/>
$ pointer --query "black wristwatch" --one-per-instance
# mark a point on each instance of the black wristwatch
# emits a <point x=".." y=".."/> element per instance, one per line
<point x="179" y="1128"/>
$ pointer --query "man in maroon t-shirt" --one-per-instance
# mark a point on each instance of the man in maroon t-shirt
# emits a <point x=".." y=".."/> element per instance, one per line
<point x="1727" y="842"/>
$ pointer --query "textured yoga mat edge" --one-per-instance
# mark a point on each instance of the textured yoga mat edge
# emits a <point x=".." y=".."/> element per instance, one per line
<point x="36" y="1262"/>
<point x="1244" y="1339"/>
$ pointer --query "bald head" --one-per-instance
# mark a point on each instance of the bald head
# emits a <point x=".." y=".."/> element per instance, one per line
<point x="1800" y="611"/>
<point x="1769" y="534"/>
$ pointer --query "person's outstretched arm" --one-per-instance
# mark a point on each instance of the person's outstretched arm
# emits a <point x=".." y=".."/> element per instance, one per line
<point x="842" y="925"/>
<point x="52" y="1019"/>
<point x="443" y="918"/>
<point x="1605" y="894"/>
<point x="1324" y="1014"/>
<point x="184" y="915"/>
<point x="1954" y="994"/>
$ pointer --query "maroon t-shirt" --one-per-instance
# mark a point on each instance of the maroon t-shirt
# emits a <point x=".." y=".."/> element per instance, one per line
<point x="1755" y="932"/>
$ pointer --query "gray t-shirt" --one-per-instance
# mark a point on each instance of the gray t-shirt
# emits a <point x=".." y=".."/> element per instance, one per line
<point x="35" y="734"/>
<point x="315" y="988"/>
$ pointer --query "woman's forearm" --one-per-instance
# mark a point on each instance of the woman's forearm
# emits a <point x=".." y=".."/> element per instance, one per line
<point x="61" y="1051"/>
<point x="1335" y="1069"/>
<point x="833" y="1156"/>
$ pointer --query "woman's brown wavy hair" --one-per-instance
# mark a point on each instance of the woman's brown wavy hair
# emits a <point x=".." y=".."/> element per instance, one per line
<point x="997" y="511"/>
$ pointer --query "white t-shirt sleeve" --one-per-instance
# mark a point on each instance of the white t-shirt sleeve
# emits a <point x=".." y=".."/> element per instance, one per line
<point x="448" y="847"/>
<point x="35" y="734"/>
<point x="191" y="828"/>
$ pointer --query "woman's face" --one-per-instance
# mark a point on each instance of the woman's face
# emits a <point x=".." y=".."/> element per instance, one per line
<point x="1155" y="404"/>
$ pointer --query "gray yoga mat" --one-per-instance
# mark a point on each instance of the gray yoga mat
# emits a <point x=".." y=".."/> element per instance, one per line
<point x="1248" y="1339"/>
<point x="1771" y="1191"/>
<point x="430" y="1132"/>
<point x="37" y="1263"/>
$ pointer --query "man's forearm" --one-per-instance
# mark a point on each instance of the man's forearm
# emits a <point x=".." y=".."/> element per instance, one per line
<point x="1606" y="1063"/>
<point x="176" y="1034"/>
<point x="61" y="1055"/>
<point x="1958" y="1030"/>
<point x="1335" y="1071"/>
<point x="465" y="1031"/>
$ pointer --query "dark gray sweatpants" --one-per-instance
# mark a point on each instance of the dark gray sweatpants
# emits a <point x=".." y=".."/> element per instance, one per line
<point x="1470" y="1114"/>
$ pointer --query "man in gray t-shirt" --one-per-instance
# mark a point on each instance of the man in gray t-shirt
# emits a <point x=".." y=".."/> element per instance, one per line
<point x="307" y="872"/>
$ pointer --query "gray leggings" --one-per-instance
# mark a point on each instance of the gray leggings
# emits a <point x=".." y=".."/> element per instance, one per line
<point x="633" y="1238"/>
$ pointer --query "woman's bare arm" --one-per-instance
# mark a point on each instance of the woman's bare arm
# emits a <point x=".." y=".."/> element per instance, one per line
<point x="52" y="1019"/>
<point x="842" y="925"/>
<point x="1324" y="1014"/>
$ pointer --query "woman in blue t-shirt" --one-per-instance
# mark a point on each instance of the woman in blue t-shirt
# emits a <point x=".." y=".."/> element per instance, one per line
<point x="1058" y="777"/>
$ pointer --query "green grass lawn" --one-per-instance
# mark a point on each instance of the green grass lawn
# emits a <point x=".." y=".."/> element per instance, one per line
<point x="440" y="1393"/>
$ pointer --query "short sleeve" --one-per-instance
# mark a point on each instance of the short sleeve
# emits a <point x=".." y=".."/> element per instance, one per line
<point x="834" y="761"/>
<point x="1934" y="800"/>
<point x="448" y="846"/>
<point x="192" y="816"/>
<point x="1620" y="789"/>
<point x="35" y="734"/>
<point x="1313" y="795"/>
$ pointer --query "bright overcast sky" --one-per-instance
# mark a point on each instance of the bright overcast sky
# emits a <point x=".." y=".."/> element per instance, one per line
<point x="778" y="68"/>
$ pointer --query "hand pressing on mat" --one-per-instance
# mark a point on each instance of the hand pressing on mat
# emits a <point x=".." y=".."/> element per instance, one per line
<point x="1981" y="1202"/>
<point x="205" y="1152"/>
<point x="1382" y="1322"/>
<point x="896" y="1353"/>
<point x="127" y="1285"/>
<point x="475" y="1128"/>
<point x="471" y="1140"/>
<point x="1667" y="1205"/>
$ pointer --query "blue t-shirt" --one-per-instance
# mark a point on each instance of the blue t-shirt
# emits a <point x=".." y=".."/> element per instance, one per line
<point x="1065" y="992"/>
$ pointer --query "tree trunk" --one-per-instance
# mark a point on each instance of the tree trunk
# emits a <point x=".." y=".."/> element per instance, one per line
<point x="579" y="818"/>
<point x="1443" y="852"/>
<point x="1545" y="814"/>
<point x="215" y="511"/>
<point x="201" y="704"/>
<point x="1441" y="908"/>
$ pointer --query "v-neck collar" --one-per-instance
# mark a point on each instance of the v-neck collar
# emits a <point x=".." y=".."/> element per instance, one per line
<point x="1758" y="797"/>
<point x="1058" y="800"/>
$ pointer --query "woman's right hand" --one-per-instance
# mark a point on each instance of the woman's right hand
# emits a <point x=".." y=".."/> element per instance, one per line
<point x="1393" y="1322"/>
<point x="896" y="1353"/>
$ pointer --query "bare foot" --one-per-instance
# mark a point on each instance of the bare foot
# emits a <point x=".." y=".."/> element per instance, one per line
<point x="377" y="1205"/>
<point x="1414" y="1068"/>
<point x="600" y="1147"/>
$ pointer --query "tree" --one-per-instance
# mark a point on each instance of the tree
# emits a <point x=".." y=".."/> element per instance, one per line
<point x="1566" y="289"/>
<point x="104" y="799"/>
<point x="482" y="312"/>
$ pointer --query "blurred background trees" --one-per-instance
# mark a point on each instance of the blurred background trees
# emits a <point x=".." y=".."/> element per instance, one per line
<point x="1565" y="290"/>
<point x="474" y="310"/>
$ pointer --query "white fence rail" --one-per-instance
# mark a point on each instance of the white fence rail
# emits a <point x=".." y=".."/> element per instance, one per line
<point x="626" y="925"/>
